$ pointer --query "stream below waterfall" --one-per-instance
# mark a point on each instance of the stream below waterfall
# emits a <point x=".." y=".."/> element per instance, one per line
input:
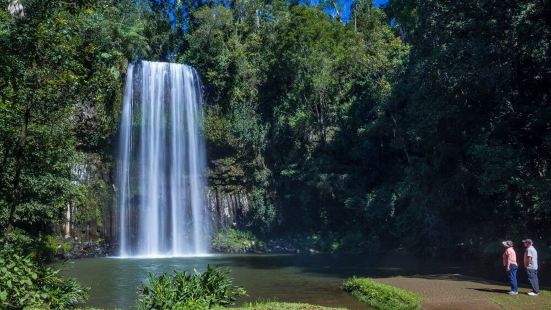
<point x="314" y="279"/>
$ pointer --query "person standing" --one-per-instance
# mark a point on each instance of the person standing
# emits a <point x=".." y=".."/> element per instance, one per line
<point x="531" y="264"/>
<point x="511" y="266"/>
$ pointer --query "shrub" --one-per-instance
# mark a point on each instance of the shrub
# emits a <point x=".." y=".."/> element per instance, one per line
<point x="381" y="296"/>
<point x="36" y="247"/>
<point x="52" y="242"/>
<point x="40" y="247"/>
<point x="182" y="290"/>
<point x="25" y="283"/>
<point x="235" y="241"/>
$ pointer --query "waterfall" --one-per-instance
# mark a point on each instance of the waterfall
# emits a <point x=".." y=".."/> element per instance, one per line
<point x="161" y="163"/>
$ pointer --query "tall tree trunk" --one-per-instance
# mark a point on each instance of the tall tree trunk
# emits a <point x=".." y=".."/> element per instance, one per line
<point x="68" y="219"/>
<point x="404" y="147"/>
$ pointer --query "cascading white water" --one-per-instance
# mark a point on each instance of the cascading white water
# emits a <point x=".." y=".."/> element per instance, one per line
<point x="161" y="163"/>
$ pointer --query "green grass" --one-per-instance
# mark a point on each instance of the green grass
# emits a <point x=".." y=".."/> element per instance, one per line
<point x="381" y="296"/>
<point x="523" y="301"/>
<point x="282" y="306"/>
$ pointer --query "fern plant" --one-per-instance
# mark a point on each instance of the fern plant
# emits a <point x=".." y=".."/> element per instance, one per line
<point x="183" y="290"/>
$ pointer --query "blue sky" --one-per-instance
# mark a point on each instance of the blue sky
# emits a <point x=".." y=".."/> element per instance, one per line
<point x="346" y="7"/>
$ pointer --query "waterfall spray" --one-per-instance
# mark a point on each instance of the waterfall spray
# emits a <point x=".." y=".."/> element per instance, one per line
<point x="161" y="163"/>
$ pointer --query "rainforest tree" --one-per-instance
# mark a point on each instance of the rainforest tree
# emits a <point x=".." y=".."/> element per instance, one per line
<point x="423" y="124"/>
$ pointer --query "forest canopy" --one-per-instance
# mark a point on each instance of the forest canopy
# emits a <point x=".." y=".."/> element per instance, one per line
<point x="420" y="124"/>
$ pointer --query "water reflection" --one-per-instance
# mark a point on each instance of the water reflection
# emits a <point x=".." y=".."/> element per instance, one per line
<point x="298" y="278"/>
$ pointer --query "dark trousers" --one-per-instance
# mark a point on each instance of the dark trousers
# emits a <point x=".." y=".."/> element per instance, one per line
<point x="533" y="278"/>
<point x="512" y="275"/>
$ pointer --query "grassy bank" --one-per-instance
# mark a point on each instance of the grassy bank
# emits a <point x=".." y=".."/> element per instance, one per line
<point x="282" y="306"/>
<point x="381" y="296"/>
<point x="523" y="301"/>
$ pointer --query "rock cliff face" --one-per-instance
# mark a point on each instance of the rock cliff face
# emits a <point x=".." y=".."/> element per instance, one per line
<point x="228" y="206"/>
<point x="92" y="218"/>
<point x="228" y="198"/>
<point x="89" y="216"/>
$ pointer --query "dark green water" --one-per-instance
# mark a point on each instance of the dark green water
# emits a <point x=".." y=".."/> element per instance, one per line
<point x="311" y="279"/>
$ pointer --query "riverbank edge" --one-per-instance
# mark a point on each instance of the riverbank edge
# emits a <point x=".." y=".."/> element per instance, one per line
<point x="74" y="249"/>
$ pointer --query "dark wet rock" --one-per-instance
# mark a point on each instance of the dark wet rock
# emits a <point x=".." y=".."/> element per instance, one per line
<point x="273" y="246"/>
<point x="85" y="249"/>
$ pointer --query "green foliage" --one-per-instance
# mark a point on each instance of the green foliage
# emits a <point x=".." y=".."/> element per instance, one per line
<point x="366" y="134"/>
<point x="36" y="142"/>
<point x="41" y="247"/>
<point x="381" y="296"/>
<point x="466" y="116"/>
<point x="52" y="243"/>
<point x="24" y="284"/>
<point x="284" y="91"/>
<point x="61" y="72"/>
<point x="183" y="290"/>
<point x="231" y="240"/>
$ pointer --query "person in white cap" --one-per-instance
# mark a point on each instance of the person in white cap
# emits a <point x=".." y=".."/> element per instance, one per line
<point x="531" y="264"/>
<point x="511" y="266"/>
